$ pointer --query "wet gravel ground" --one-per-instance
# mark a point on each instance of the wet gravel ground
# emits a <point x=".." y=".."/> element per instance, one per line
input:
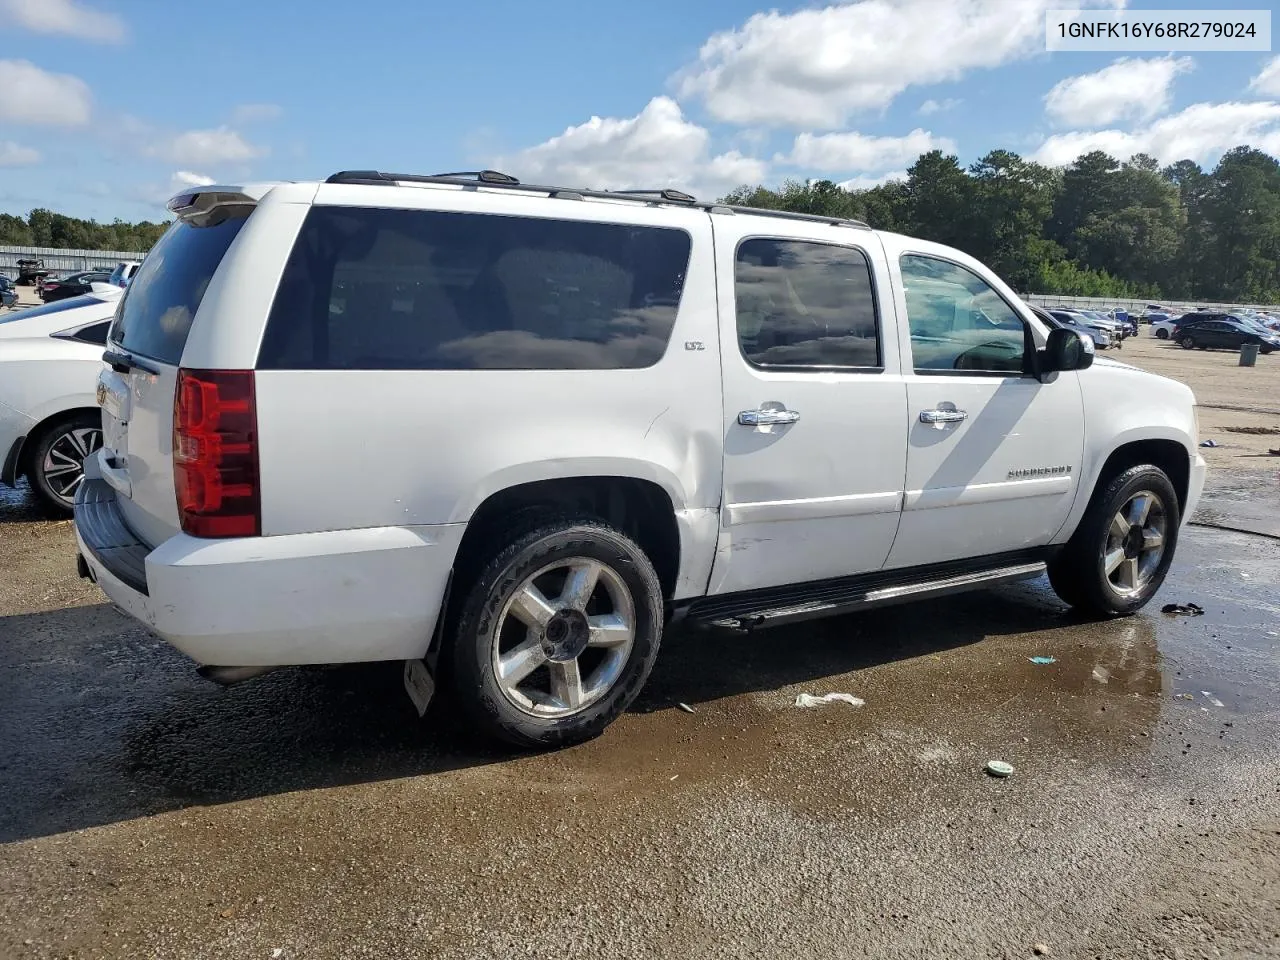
<point x="146" y="813"/>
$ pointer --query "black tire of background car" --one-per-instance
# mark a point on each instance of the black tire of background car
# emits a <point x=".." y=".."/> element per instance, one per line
<point x="1076" y="572"/>
<point x="39" y="448"/>
<point x="1162" y="334"/>
<point x="467" y="661"/>
<point x="1188" y="343"/>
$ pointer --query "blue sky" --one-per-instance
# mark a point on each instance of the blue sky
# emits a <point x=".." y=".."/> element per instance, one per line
<point x="109" y="106"/>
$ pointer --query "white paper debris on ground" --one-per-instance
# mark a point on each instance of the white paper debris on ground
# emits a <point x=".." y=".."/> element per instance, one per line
<point x="809" y="700"/>
<point x="1101" y="674"/>
<point x="1211" y="698"/>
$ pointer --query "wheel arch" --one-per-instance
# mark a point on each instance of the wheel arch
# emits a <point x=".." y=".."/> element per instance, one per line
<point x="1167" y="454"/>
<point x="639" y="507"/>
<point x="1166" y="447"/>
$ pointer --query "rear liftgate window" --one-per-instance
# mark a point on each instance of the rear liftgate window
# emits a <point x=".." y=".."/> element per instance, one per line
<point x="375" y="289"/>
<point x="155" y="316"/>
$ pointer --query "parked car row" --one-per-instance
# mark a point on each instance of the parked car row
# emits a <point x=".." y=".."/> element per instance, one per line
<point x="1106" y="330"/>
<point x="1212" y="329"/>
<point x="51" y="287"/>
<point x="1224" y="331"/>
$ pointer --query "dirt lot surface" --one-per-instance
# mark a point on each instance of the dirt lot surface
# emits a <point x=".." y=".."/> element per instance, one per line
<point x="145" y="813"/>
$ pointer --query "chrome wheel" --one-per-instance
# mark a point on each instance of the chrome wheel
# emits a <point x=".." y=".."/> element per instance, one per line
<point x="1135" y="543"/>
<point x="63" y="466"/>
<point x="563" y="638"/>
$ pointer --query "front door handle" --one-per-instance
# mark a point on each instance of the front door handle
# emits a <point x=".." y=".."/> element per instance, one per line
<point x="940" y="418"/>
<point x="766" y="417"/>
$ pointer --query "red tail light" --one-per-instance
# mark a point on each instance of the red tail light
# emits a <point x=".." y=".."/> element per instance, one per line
<point x="215" y="454"/>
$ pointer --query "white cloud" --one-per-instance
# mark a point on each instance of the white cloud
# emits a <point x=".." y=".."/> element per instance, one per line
<point x="247" y="113"/>
<point x="1201" y="132"/>
<point x="16" y="155"/>
<point x="66" y="17"/>
<point x="813" y="68"/>
<point x="733" y="169"/>
<point x="157" y="193"/>
<point x="930" y="107"/>
<point x="185" y="178"/>
<point x="205" y="148"/>
<point x="1129" y="89"/>
<point x="855" y="151"/>
<point x="1267" y="82"/>
<point x="656" y="148"/>
<point x="31" y="95"/>
<point x="866" y="183"/>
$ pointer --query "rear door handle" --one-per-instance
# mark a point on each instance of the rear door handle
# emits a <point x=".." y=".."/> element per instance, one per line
<point x="766" y="417"/>
<point x="940" y="418"/>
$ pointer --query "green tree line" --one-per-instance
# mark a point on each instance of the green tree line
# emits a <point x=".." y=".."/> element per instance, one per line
<point x="44" y="228"/>
<point x="1098" y="227"/>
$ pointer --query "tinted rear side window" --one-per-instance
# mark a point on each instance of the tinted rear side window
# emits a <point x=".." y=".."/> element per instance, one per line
<point x="160" y="302"/>
<point x="374" y="289"/>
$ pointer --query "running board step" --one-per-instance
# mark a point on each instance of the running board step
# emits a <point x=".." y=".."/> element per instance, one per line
<point x="832" y="598"/>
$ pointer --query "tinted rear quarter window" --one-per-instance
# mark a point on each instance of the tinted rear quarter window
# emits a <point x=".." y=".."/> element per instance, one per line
<point x="160" y="302"/>
<point x="370" y="289"/>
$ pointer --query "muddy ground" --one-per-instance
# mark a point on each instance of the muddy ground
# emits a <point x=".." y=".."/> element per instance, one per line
<point x="145" y="813"/>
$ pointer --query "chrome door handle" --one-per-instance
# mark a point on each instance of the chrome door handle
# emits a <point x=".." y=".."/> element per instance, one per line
<point x="766" y="418"/>
<point x="939" y="417"/>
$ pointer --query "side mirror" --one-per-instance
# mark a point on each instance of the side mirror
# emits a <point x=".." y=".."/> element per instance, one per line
<point x="1066" y="350"/>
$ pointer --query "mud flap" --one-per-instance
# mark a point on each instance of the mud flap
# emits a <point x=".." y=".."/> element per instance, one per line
<point x="419" y="684"/>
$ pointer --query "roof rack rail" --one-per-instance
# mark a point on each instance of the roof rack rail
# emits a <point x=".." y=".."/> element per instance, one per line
<point x="484" y="176"/>
<point x="792" y="215"/>
<point x="492" y="178"/>
<point x="674" y="196"/>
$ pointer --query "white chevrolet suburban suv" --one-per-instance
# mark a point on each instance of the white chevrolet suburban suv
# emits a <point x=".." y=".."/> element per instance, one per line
<point x="507" y="433"/>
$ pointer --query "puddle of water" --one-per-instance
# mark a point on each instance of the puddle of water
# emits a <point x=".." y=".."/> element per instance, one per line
<point x="17" y="503"/>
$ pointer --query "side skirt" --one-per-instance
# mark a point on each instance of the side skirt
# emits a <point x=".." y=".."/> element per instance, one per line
<point x="775" y="606"/>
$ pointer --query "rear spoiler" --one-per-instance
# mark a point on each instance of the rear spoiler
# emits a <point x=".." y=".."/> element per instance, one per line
<point x="203" y="203"/>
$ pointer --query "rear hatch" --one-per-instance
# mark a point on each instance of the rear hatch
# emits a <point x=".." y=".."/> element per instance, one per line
<point x="144" y="352"/>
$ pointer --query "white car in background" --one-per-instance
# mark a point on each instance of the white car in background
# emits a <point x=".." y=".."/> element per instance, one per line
<point x="124" y="272"/>
<point x="1164" y="329"/>
<point x="50" y="357"/>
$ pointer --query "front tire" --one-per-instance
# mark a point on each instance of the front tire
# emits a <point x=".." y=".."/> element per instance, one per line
<point x="1120" y="554"/>
<point x="1162" y="334"/>
<point x="1188" y="343"/>
<point x="557" y="634"/>
<point x="56" y="465"/>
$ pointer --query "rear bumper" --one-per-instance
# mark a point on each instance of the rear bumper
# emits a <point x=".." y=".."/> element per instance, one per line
<point x="334" y="597"/>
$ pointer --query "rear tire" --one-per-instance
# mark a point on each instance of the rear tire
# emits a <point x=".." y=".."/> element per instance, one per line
<point x="556" y="635"/>
<point x="55" y="466"/>
<point x="1162" y="334"/>
<point x="1120" y="553"/>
